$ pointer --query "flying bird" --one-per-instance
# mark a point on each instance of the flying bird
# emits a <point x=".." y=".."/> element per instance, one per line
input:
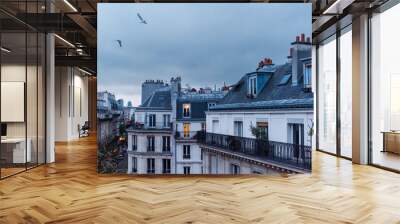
<point x="141" y="19"/>
<point x="119" y="42"/>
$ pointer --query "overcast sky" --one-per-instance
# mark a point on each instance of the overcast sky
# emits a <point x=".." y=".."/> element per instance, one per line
<point x="205" y="44"/>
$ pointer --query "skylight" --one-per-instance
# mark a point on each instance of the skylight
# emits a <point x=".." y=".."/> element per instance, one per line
<point x="285" y="79"/>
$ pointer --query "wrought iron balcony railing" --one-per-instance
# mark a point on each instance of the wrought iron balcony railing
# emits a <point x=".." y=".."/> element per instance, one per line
<point x="297" y="156"/>
<point x="152" y="125"/>
<point x="188" y="135"/>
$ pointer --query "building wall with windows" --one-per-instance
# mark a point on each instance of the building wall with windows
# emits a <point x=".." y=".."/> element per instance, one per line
<point x="278" y="123"/>
<point x="162" y="117"/>
<point x="149" y="145"/>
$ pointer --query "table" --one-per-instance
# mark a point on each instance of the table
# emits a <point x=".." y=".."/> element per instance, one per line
<point x="13" y="150"/>
<point x="391" y="141"/>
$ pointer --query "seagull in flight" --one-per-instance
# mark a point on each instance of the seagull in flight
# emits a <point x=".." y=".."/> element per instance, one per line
<point x="119" y="42"/>
<point x="141" y="19"/>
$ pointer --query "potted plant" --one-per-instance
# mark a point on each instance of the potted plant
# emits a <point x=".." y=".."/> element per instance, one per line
<point x="261" y="139"/>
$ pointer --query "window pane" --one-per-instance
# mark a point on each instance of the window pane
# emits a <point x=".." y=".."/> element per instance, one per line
<point x="14" y="154"/>
<point x="385" y="89"/>
<point x="346" y="94"/>
<point x="327" y="95"/>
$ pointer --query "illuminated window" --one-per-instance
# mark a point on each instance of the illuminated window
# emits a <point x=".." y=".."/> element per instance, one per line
<point x="186" y="130"/>
<point x="186" y="110"/>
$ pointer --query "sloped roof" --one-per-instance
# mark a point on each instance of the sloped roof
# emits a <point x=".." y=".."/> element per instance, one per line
<point x="272" y="96"/>
<point x="160" y="99"/>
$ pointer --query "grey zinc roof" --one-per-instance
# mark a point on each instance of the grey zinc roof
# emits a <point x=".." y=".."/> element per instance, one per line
<point x="160" y="99"/>
<point x="272" y="96"/>
<point x="203" y="97"/>
<point x="271" y="104"/>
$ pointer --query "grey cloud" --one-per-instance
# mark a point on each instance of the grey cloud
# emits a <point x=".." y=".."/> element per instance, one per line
<point x="206" y="44"/>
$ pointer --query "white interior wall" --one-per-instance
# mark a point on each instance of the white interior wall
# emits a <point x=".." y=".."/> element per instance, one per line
<point x="71" y="103"/>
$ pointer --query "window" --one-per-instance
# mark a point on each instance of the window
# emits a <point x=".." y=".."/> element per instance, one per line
<point x="385" y="89"/>
<point x="296" y="134"/>
<point x="166" y="143"/>
<point x="252" y="88"/>
<point x="186" y="110"/>
<point x="152" y="120"/>
<point x="263" y="133"/>
<point x="238" y="128"/>
<point x="327" y="95"/>
<point x="186" y="151"/>
<point x="211" y="105"/>
<point x="186" y="170"/>
<point x="134" y="164"/>
<point x="166" y="165"/>
<point x="307" y="75"/>
<point x="285" y="79"/>
<point x="150" y="143"/>
<point x="151" y="165"/>
<point x="134" y="142"/>
<point x="167" y="120"/>
<point x="346" y="72"/>
<point x="186" y="130"/>
<point x="235" y="169"/>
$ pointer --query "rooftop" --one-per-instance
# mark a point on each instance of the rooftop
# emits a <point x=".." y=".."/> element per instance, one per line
<point x="276" y="94"/>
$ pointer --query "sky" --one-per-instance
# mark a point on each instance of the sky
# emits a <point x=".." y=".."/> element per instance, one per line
<point x="206" y="44"/>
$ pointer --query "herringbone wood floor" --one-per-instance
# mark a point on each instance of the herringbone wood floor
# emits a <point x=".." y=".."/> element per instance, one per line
<point x="70" y="191"/>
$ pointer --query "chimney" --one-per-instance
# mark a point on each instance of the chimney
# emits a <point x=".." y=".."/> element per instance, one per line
<point x="308" y="40"/>
<point x="175" y="85"/>
<point x="299" y="50"/>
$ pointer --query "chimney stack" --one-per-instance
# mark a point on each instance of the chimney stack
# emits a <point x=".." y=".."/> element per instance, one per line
<point x="300" y="49"/>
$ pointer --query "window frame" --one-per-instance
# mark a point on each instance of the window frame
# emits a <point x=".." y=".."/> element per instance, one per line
<point x="166" y="166"/>
<point x="186" y="152"/>
<point x="186" y="110"/>
<point x="151" y="165"/>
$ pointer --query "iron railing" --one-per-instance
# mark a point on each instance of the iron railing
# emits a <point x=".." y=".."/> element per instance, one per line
<point x="297" y="156"/>
<point x="152" y="125"/>
<point x="187" y="135"/>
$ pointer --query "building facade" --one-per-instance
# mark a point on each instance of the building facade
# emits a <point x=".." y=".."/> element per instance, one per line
<point x="163" y="139"/>
<point x="190" y="124"/>
<point x="274" y="105"/>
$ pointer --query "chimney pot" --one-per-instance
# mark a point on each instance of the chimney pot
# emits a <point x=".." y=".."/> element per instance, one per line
<point x="297" y="38"/>
<point x="308" y="40"/>
<point x="302" y="37"/>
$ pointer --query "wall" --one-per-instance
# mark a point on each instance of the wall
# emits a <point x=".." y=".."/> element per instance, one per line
<point x="277" y="123"/>
<point x="33" y="127"/>
<point x="222" y="165"/>
<point x="71" y="102"/>
<point x="140" y="116"/>
<point x="142" y="154"/>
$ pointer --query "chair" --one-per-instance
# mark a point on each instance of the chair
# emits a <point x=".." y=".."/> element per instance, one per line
<point x="84" y="130"/>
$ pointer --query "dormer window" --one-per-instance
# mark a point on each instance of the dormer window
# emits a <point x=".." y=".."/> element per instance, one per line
<point x="252" y="86"/>
<point x="186" y="110"/>
<point x="211" y="105"/>
<point x="307" y="76"/>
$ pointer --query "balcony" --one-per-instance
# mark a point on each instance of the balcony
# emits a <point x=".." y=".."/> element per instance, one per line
<point x="151" y="126"/>
<point x="189" y="135"/>
<point x="284" y="154"/>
